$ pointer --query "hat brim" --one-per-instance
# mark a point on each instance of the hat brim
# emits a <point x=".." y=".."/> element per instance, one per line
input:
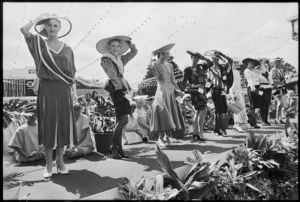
<point x="212" y="54"/>
<point x="247" y="60"/>
<point x="102" y="45"/>
<point x="66" y="26"/>
<point x="194" y="54"/>
<point x="140" y="97"/>
<point x="165" y="48"/>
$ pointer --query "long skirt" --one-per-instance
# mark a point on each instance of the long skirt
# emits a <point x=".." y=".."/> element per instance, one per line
<point x="56" y="121"/>
<point x="219" y="101"/>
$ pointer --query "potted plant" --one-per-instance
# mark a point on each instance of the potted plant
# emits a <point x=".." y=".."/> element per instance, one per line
<point x="103" y="123"/>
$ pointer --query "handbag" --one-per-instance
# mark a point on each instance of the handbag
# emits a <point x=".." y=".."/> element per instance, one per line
<point x="235" y="106"/>
<point x="109" y="87"/>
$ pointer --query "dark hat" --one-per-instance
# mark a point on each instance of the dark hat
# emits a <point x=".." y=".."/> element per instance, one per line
<point x="194" y="53"/>
<point x="277" y="58"/>
<point x="77" y="106"/>
<point x="30" y="108"/>
<point x="247" y="60"/>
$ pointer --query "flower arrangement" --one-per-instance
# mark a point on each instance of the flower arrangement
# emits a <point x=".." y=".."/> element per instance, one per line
<point x="261" y="168"/>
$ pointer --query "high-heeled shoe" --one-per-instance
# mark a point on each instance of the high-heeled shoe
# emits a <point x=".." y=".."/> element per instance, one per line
<point x="63" y="172"/>
<point x="282" y="122"/>
<point x="267" y="123"/>
<point x="198" y="137"/>
<point x="122" y="154"/>
<point x="239" y="129"/>
<point x="46" y="174"/>
<point x="255" y="126"/>
<point x="218" y="133"/>
<point x="114" y="154"/>
<point x="276" y="122"/>
<point x="224" y="133"/>
<point x="161" y="143"/>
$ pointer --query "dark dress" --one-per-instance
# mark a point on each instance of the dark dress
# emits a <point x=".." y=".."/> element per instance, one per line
<point x="55" y="115"/>
<point x="199" y="100"/>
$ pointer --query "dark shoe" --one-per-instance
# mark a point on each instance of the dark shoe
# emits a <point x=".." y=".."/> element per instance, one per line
<point x="264" y="124"/>
<point x="198" y="137"/>
<point x="282" y="122"/>
<point x="268" y="124"/>
<point x="122" y="154"/>
<point x="145" y="139"/>
<point x="114" y="154"/>
<point x="223" y="133"/>
<point x="276" y="122"/>
<point x="256" y="126"/>
<point x="218" y="133"/>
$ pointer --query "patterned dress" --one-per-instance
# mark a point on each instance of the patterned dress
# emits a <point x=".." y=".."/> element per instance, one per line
<point x="199" y="76"/>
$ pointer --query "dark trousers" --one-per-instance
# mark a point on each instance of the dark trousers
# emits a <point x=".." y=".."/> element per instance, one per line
<point x="265" y="104"/>
<point x="220" y="108"/>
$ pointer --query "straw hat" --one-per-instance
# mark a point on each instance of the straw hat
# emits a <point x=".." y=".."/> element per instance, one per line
<point x="212" y="53"/>
<point x="102" y="45"/>
<point x="194" y="53"/>
<point x="66" y="26"/>
<point x="277" y="58"/>
<point x="247" y="60"/>
<point x="165" y="48"/>
<point x="140" y="97"/>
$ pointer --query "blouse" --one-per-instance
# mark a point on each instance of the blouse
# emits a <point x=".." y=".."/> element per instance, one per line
<point x="61" y="62"/>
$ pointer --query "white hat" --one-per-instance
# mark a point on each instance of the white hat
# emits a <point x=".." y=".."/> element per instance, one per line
<point x="164" y="48"/>
<point x="66" y="26"/>
<point x="140" y="97"/>
<point x="102" y="45"/>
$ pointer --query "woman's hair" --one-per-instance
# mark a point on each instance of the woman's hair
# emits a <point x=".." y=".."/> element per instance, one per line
<point x="59" y="22"/>
<point x="115" y="39"/>
<point x="158" y="55"/>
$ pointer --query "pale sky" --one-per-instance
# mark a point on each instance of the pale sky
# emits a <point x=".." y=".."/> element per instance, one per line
<point x="239" y="30"/>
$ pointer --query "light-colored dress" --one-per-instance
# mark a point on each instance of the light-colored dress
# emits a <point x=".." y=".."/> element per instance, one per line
<point x="166" y="113"/>
<point x="236" y="89"/>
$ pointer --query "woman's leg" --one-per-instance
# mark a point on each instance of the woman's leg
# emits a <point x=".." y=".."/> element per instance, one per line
<point x="201" y="121"/>
<point x="120" y="124"/>
<point x="49" y="161"/>
<point x="59" y="158"/>
<point x="197" y="120"/>
<point x="278" y="108"/>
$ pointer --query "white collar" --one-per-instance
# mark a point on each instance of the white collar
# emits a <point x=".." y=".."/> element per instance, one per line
<point x="117" y="61"/>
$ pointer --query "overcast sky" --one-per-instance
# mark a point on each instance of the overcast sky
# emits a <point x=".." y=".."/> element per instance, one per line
<point x="238" y="29"/>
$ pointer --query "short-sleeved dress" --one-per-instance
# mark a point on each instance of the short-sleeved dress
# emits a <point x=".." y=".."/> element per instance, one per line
<point x="56" y="71"/>
<point x="166" y="113"/>
<point x="199" y="100"/>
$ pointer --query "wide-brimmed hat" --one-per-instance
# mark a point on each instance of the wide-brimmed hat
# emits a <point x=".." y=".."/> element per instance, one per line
<point x="140" y="97"/>
<point x="194" y="53"/>
<point x="247" y="60"/>
<point x="212" y="53"/>
<point x="29" y="109"/>
<point x="277" y="58"/>
<point x="165" y="48"/>
<point x="65" y="25"/>
<point x="102" y="45"/>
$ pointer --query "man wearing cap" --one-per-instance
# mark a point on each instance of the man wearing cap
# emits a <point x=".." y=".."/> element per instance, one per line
<point x="113" y="62"/>
<point x="279" y="82"/>
<point x="25" y="140"/>
<point x="251" y="73"/>
<point x="220" y="79"/>
<point x="194" y="80"/>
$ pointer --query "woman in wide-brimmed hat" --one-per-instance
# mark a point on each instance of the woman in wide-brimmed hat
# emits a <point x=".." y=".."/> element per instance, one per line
<point x="251" y="74"/>
<point x="220" y="79"/>
<point x="166" y="114"/>
<point x="55" y="69"/>
<point x="113" y="62"/>
<point x="195" y="79"/>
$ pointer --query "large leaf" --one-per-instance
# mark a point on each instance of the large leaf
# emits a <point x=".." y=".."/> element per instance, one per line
<point x="257" y="142"/>
<point x="252" y="187"/>
<point x="165" y="164"/>
<point x="197" y="185"/>
<point x="201" y="192"/>
<point x="250" y="139"/>
<point x="262" y="144"/>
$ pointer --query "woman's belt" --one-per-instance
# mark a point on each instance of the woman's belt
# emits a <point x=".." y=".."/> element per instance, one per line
<point x="266" y="85"/>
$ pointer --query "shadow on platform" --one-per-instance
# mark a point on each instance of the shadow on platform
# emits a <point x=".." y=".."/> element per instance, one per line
<point x="85" y="183"/>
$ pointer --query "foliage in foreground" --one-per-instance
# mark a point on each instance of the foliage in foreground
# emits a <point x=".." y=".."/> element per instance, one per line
<point x="264" y="168"/>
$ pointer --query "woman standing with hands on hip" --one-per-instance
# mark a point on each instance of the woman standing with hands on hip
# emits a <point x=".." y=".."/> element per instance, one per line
<point x="166" y="114"/>
<point x="55" y="69"/>
<point x="113" y="63"/>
